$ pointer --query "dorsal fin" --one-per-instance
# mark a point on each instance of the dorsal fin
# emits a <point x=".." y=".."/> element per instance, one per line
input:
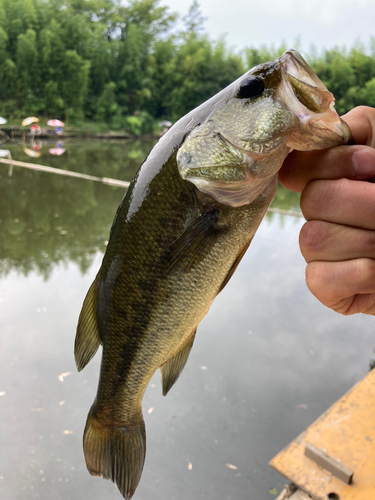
<point x="87" y="339"/>
<point x="172" y="369"/>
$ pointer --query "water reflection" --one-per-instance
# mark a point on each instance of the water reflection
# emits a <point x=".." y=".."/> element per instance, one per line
<point x="119" y="159"/>
<point x="48" y="219"/>
<point x="267" y="361"/>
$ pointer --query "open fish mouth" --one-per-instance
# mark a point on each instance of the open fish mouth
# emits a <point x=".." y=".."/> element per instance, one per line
<point x="312" y="103"/>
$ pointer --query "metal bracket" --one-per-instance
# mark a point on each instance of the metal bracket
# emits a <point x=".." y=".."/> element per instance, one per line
<point x="331" y="464"/>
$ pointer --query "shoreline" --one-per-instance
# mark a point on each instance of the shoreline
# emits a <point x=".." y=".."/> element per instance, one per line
<point x="11" y="133"/>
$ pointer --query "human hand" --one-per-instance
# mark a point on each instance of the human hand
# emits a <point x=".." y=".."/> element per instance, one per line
<point x="338" y="239"/>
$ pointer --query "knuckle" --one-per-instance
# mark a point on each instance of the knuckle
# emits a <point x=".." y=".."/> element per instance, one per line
<point x="314" y="278"/>
<point x="366" y="110"/>
<point x="362" y="111"/>
<point x="358" y="275"/>
<point x="313" y="236"/>
<point x="310" y="198"/>
<point x="366" y="270"/>
<point x="363" y="119"/>
<point x="370" y="240"/>
<point x="322" y="196"/>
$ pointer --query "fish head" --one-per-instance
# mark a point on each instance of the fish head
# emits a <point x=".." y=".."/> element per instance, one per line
<point x="250" y="127"/>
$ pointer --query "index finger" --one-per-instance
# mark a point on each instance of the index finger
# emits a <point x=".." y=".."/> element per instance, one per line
<point x="361" y="121"/>
<point x="352" y="162"/>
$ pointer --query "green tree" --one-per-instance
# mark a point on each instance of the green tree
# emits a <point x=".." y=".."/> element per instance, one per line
<point x="27" y="63"/>
<point x="28" y="14"/>
<point x="8" y="82"/>
<point x="107" y="105"/>
<point x="3" y="44"/>
<point x="143" y="22"/>
<point x="204" y="68"/>
<point x="54" y="102"/>
<point x="3" y="16"/>
<point x="194" y="20"/>
<point x="124" y="52"/>
<point x="74" y="86"/>
<point x="367" y="94"/>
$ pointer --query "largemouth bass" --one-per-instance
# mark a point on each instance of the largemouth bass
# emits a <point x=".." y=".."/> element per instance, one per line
<point x="180" y="232"/>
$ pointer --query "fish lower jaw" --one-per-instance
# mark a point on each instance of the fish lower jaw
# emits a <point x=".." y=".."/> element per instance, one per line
<point x="319" y="134"/>
<point x="236" y="194"/>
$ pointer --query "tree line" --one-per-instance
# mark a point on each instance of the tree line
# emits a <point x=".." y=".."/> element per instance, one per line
<point x="132" y="64"/>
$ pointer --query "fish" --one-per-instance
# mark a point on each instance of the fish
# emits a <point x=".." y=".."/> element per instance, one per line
<point x="181" y="229"/>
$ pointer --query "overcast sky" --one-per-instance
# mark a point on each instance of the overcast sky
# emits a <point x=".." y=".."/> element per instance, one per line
<point x="254" y="22"/>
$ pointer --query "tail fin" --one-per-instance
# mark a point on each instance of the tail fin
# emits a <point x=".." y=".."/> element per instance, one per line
<point x="116" y="453"/>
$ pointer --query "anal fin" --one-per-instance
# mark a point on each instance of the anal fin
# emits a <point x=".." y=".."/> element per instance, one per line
<point x="172" y="369"/>
<point x="87" y="339"/>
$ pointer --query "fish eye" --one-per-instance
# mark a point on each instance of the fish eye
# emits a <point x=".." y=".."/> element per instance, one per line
<point x="252" y="86"/>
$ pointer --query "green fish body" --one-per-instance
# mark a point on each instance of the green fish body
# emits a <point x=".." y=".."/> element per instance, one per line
<point x="182" y="228"/>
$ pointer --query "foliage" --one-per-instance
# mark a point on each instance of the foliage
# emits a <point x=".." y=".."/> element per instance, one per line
<point x="129" y="64"/>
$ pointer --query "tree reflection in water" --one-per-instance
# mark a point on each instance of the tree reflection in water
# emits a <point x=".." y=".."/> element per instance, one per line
<point x="48" y="219"/>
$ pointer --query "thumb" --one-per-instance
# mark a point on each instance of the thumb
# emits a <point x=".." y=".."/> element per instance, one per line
<point x="352" y="162"/>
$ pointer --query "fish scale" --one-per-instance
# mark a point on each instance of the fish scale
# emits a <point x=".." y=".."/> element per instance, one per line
<point x="179" y="234"/>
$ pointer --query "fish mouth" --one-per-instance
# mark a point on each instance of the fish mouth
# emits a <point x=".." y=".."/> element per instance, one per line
<point x="293" y="64"/>
<point x="305" y="95"/>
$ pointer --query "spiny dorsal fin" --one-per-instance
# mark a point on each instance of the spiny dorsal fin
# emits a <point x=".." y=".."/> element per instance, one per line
<point x="194" y="243"/>
<point x="87" y="337"/>
<point x="172" y="369"/>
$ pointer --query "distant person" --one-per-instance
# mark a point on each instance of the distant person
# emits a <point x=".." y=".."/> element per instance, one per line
<point x="338" y="239"/>
<point x="35" y="129"/>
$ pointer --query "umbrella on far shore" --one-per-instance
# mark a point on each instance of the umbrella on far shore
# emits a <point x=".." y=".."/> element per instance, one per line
<point x="32" y="153"/>
<point x="29" y="121"/>
<point x="55" y="123"/>
<point x="57" y="151"/>
<point x="165" y="123"/>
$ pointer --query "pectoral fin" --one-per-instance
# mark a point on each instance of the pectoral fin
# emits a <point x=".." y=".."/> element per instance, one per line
<point x="234" y="266"/>
<point x="87" y="339"/>
<point x="172" y="369"/>
<point x="194" y="243"/>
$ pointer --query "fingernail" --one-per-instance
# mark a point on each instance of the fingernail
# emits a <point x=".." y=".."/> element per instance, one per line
<point x="364" y="162"/>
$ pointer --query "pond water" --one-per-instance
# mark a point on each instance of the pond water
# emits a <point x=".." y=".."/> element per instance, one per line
<point x="267" y="361"/>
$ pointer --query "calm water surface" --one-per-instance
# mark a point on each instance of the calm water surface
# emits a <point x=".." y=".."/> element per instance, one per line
<point x="267" y="361"/>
